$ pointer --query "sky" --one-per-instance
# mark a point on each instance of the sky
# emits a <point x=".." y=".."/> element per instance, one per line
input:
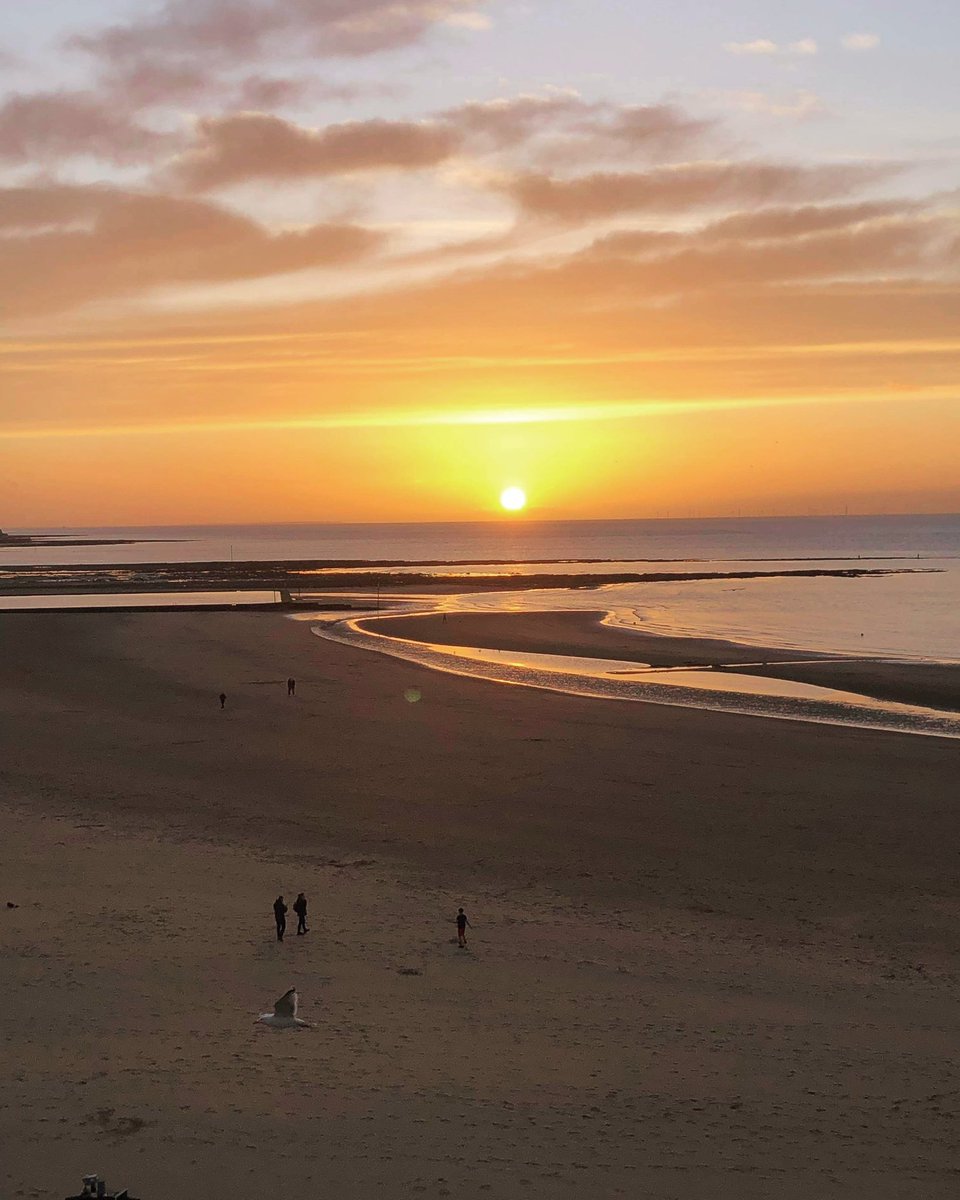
<point x="348" y="260"/>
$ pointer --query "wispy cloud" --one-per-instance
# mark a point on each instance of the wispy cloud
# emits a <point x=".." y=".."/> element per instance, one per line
<point x="252" y="145"/>
<point x="757" y="46"/>
<point x="706" y="262"/>
<point x="799" y="222"/>
<point x="764" y="46"/>
<point x="438" y="418"/>
<point x="470" y="19"/>
<point x="860" y="41"/>
<point x="583" y="126"/>
<point x="181" y="51"/>
<point x="64" y="245"/>
<point x="603" y="194"/>
<point x="243" y="30"/>
<point x="255" y="145"/>
<point x="799" y="106"/>
<point x="43" y="126"/>
<point x="9" y="61"/>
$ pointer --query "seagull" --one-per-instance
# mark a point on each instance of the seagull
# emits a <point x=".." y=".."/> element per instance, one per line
<point x="284" y="1015"/>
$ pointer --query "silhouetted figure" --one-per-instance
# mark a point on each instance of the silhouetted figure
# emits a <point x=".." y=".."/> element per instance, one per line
<point x="291" y="687"/>
<point x="280" y="913"/>
<point x="462" y="924"/>
<point x="300" y="908"/>
<point x="223" y="699"/>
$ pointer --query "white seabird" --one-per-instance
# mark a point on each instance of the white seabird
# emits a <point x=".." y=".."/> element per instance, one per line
<point x="284" y="1015"/>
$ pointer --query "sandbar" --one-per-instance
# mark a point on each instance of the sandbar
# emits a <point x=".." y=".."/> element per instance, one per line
<point x="583" y="634"/>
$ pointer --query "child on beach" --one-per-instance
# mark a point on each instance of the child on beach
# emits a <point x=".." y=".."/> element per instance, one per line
<point x="462" y="924"/>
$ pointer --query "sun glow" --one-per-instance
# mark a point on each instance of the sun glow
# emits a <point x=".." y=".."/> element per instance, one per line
<point x="513" y="499"/>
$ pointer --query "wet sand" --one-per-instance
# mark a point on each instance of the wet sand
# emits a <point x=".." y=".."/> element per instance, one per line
<point x="712" y="955"/>
<point x="581" y="634"/>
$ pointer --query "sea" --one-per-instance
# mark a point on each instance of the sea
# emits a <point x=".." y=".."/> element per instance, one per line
<point x="912" y="613"/>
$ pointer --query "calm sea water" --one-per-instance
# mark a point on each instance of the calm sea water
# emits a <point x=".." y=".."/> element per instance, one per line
<point x="709" y="540"/>
<point x="914" y="615"/>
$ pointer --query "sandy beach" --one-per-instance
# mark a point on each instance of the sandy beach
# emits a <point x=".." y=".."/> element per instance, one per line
<point x="712" y="955"/>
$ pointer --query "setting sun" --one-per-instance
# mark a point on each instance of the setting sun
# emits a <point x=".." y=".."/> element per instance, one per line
<point x="513" y="499"/>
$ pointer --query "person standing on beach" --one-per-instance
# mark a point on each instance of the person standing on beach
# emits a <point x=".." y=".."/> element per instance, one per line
<point x="291" y="687"/>
<point x="300" y="908"/>
<point x="223" y="699"/>
<point x="280" y="914"/>
<point x="462" y="924"/>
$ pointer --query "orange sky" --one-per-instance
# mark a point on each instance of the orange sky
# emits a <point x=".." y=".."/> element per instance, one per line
<point x="240" y="298"/>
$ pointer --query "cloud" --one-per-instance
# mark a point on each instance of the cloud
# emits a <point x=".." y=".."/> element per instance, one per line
<point x="470" y="19"/>
<point x="800" y="106"/>
<point x="684" y="187"/>
<point x="231" y="31"/>
<point x="703" y="262"/>
<point x="130" y="86"/>
<point x="661" y="128"/>
<point x="510" y="121"/>
<point x="507" y="121"/>
<point x="66" y="245"/>
<point x="254" y="145"/>
<point x="249" y="142"/>
<point x="42" y="126"/>
<point x="753" y="227"/>
<point x="259" y="92"/>
<point x="818" y="301"/>
<point x="185" y="51"/>
<point x="25" y="208"/>
<point x="811" y="218"/>
<point x="860" y="41"/>
<point x="757" y="46"/>
<point x="764" y="46"/>
<point x="145" y="82"/>
<point x="885" y="277"/>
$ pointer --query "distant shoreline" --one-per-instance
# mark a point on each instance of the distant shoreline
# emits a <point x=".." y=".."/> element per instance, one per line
<point x="27" y="541"/>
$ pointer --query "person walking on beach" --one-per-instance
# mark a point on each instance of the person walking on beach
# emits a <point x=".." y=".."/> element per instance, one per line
<point x="300" y="908"/>
<point x="280" y="914"/>
<point x="291" y="687"/>
<point x="223" y="699"/>
<point x="462" y="924"/>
